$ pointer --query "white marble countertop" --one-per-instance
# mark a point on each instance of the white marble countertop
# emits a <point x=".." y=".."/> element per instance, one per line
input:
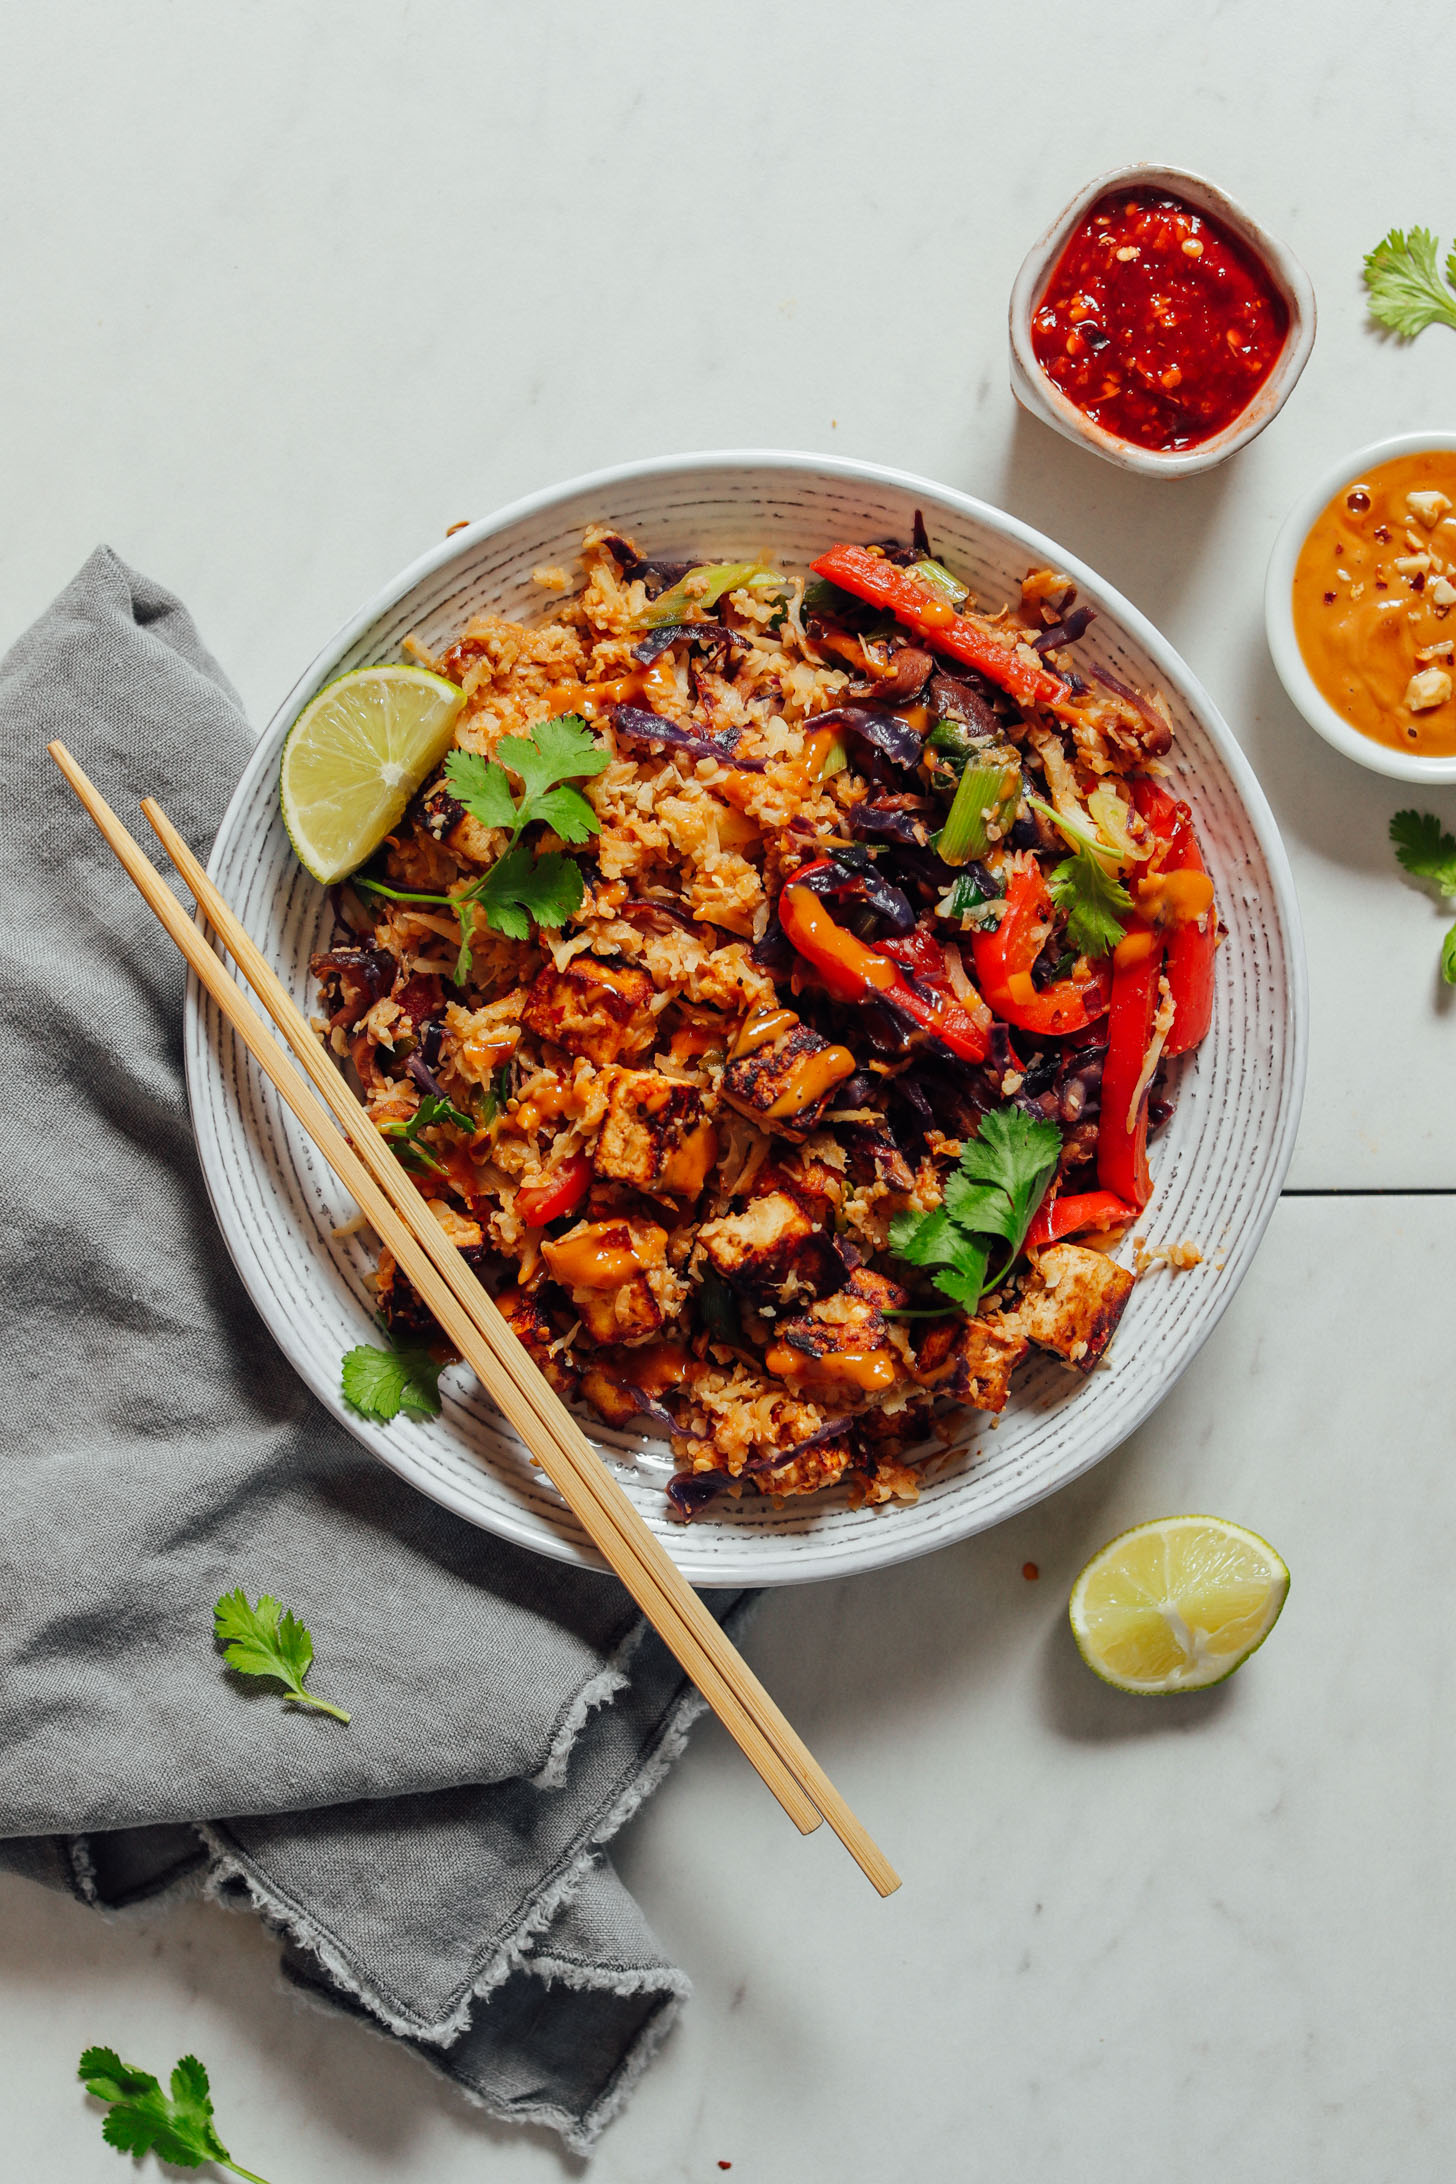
<point x="289" y="290"/>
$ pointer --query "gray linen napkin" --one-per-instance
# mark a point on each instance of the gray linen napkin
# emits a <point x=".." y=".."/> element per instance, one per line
<point x="438" y="1864"/>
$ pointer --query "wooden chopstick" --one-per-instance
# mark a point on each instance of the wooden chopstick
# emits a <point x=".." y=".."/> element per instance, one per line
<point x="716" y="1685"/>
<point x="389" y="1201"/>
<point x="562" y="1434"/>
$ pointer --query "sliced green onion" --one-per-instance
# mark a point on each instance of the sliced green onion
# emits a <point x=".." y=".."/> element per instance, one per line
<point x="952" y="742"/>
<point x="703" y="588"/>
<point x="939" y="578"/>
<point x="986" y="799"/>
<point x="834" y="761"/>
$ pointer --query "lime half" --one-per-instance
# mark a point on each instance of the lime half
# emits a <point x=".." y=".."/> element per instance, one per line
<point x="1177" y="1605"/>
<point x="356" y="756"/>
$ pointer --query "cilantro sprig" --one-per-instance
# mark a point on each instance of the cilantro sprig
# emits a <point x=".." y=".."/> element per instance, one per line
<point x="521" y="884"/>
<point x="406" y="1136"/>
<point x="1407" y="293"/>
<point x="142" y="2119"/>
<point x="268" y="1641"/>
<point x="379" y="1384"/>
<point x="990" y="1200"/>
<point x="1428" y="852"/>
<point x="1086" y="889"/>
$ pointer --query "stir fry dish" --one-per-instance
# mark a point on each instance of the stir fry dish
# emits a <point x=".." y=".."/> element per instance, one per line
<point x="773" y="992"/>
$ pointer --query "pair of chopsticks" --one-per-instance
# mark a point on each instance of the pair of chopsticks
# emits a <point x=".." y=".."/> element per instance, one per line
<point x="388" y="1199"/>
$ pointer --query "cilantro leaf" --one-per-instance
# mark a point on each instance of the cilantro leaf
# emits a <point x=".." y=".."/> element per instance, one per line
<point x="268" y="1640"/>
<point x="1407" y="294"/>
<point x="935" y="1240"/>
<point x="566" y="811"/>
<point x="992" y="1195"/>
<point x="1093" y="901"/>
<point x="499" y="893"/>
<point x="1015" y="1153"/>
<point x="1425" y="849"/>
<point x="520" y="886"/>
<point x="563" y="749"/>
<point x="1428" y="852"/>
<point x="482" y="787"/>
<point x="380" y="1384"/>
<point x="431" y="1112"/>
<point x="1085" y="887"/>
<point x="965" y="1285"/>
<point x="142" y="2119"/>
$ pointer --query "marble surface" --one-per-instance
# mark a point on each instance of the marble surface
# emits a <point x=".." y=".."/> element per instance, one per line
<point x="1138" y="1942"/>
<point x="289" y="291"/>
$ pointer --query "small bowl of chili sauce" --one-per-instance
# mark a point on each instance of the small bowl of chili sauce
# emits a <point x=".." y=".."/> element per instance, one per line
<point x="1157" y="323"/>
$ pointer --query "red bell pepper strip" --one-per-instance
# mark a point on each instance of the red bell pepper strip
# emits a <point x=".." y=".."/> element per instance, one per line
<point x="1122" y="1130"/>
<point x="1073" y="1215"/>
<point x="968" y="637"/>
<point x="1193" y="942"/>
<point x="1003" y="957"/>
<point x="561" y="1192"/>
<point x="852" y="971"/>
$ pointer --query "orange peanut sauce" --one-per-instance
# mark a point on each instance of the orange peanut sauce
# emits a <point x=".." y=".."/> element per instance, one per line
<point x="1374" y="603"/>
<point x="599" y="1256"/>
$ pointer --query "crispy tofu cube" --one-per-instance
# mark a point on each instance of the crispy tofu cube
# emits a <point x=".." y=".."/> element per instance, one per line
<point x="1072" y="1304"/>
<point x="593" y="1008"/>
<point x="655" y="1135"/>
<point x="813" y="1468"/>
<point x="620" y="1383"/>
<point x="613" y="1271"/>
<point x="788" y="1084"/>
<point x="839" y="1350"/>
<point x="972" y="1360"/>
<point x="608" y="1398"/>
<point x="527" y="1320"/>
<point x="774" y="1250"/>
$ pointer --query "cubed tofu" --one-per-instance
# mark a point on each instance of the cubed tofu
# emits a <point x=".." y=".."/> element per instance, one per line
<point x="597" y="1009"/>
<point x="971" y="1360"/>
<point x="608" y="1397"/>
<point x="839" y="1350"/>
<point x="606" y="1268"/>
<point x="773" y="1251"/>
<point x="1071" y="1304"/>
<point x="619" y="1384"/>
<point x="655" y="1135"/>
<point x="524" y="1315"/>
<point x="788" y="1084"/>
<point x="818" y="1188"/>
<point x="813" y="1468"/>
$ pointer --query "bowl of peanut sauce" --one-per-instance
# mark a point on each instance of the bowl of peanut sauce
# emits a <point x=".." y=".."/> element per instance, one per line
<point x="1360" y="606"/>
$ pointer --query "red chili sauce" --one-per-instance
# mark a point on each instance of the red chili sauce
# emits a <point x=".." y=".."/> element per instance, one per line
<point x="1157" y="322"/>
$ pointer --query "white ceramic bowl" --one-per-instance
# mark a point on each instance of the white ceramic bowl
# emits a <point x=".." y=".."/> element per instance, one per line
<point x="1035" y="392"/>
<point x="1381" y="758"/>
<point x="1218" y="1167"/>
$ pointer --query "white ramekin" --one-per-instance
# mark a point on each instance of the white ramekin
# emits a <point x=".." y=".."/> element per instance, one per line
<point x="1044" y="399"/>
<point x="1382" y="758"/>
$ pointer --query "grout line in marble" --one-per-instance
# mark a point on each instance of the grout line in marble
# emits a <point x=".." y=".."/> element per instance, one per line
<point x="1376" y="1190"/>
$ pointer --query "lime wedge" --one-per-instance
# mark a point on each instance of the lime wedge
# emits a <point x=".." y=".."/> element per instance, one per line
<point x="1176" y="1605"/>
<point x="355" y="757"/>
